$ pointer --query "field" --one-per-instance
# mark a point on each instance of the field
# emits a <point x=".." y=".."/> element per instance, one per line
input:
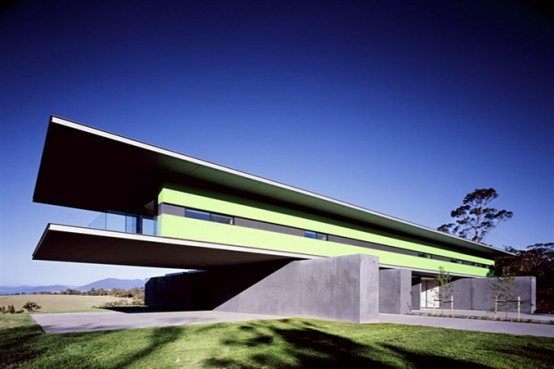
<point x="59" y="303"/>
<point x="287" y="343"/>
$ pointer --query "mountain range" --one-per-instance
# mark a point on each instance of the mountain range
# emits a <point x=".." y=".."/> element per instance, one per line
<point x="106" y="284"/>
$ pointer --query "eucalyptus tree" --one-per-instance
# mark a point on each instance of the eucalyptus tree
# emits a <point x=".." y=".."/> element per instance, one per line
<point x="474" y="219"/>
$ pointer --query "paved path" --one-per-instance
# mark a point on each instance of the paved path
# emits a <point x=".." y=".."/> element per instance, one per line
<point x="529" y="329"/>
<point x="85" y="322"/>
<point x="104" y="321"/>
<point x="535" y="318"/>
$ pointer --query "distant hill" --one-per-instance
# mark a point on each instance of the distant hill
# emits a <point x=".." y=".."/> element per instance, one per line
<point x="32" y="289"/>
<point x="107" y="284"/>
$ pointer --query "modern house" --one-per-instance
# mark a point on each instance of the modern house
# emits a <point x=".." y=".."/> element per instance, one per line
<point x="255" y="245"/>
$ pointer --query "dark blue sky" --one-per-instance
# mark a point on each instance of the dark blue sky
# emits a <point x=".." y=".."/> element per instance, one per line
<point x="401" y="107"/>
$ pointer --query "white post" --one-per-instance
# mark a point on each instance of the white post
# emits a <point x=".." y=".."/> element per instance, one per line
<point x="518" y="308"/>
<point x="495" y="307"/>
<point x="452" y="306"/>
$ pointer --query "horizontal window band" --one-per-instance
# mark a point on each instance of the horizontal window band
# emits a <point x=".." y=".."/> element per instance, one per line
<point x="165" y="208"/>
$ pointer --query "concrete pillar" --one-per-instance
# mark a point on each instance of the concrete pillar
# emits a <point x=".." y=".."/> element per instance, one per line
<point x="395" y="291"/>
<point x="416" y="293"/>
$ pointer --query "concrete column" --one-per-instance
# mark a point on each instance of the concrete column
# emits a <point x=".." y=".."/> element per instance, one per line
<point x="395" y="291"/>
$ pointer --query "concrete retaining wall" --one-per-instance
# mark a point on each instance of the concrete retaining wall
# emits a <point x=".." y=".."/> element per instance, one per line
<point x="476" y="294"/>
<point x="348" y="288"/>
<point x="342" y="288"/>
<point x="395" y="291"/>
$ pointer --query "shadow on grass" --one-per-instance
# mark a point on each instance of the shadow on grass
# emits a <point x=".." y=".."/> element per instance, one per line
<point x="28" y="346"/>
<point x="15" y="347"/>
<point x="302" y="347"/>
<point x="542" y="354"/>
<point x="422" y="360"/>
<point x="307" y="346"/>
<point x="159" y="338"/>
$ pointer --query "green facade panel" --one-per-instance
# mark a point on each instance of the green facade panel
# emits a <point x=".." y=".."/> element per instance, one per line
<point x="193" y="229"/>
<point x="200" y="230"/>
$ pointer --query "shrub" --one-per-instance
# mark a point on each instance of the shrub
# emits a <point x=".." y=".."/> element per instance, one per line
<point x="31" y="306"/>
<point x="119" y="303"/>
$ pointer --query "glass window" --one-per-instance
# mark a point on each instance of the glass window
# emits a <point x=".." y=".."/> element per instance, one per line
<point x="310" y="234"/>
<point x="197" y="214"/>
<point x="131" y="224"/>
<point x="221" y="219"/>
<point x="315" y="235"/>
<point x="115" y="222"/>
<point x="148" y="226"/>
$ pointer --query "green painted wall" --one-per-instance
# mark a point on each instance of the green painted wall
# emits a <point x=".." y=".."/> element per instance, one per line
<point x="187" y="228"/>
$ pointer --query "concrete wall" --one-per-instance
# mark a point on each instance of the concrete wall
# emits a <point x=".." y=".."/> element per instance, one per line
<point x="416" y="292"/>
<point x="395" y="291"/>
<point x="178" y="291"/>
<point x="349" y="288"/>
<point x="205" y="290"/>
<point x="342" y="288"/>
<point x="476" y="294"/>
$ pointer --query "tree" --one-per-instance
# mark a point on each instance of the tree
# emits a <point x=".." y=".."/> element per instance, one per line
<point x="474" y="220"/>
<point x="502" y="287"/>
<point x="535" y="260"/>
<point x="444" y="280"/>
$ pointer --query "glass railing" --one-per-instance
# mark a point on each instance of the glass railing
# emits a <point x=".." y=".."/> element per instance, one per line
<point x="129" y="223"/>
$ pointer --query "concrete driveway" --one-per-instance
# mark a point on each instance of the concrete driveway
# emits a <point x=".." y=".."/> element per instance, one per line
<point x="104" y="321"/>
<point x="86" y="322"/>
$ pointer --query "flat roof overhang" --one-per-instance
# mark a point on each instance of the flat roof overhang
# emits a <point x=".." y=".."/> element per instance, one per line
<point x="87" y="168"/>
<point x="87" y="245"/>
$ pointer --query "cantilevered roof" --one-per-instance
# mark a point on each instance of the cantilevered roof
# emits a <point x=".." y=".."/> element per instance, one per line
<point x="98" y="246"/>
<point x="87" y="245"/>
<point x="87" y="168"/>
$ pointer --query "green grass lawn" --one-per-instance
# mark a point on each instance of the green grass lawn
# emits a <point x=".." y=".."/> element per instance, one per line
<point x="288" y="343"/>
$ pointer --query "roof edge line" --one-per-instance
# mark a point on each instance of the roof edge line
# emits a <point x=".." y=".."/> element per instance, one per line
<point x="109" y="135"/>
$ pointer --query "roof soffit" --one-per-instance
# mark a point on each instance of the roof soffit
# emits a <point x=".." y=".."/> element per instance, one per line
<point x="87" y="168"/>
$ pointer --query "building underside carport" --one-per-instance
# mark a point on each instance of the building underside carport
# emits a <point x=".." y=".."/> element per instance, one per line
<point x="86" y="168"/>
<point x="231" y="278"/>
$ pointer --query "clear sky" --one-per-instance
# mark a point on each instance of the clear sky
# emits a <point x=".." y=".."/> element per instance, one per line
<point x="401" y="107"/>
